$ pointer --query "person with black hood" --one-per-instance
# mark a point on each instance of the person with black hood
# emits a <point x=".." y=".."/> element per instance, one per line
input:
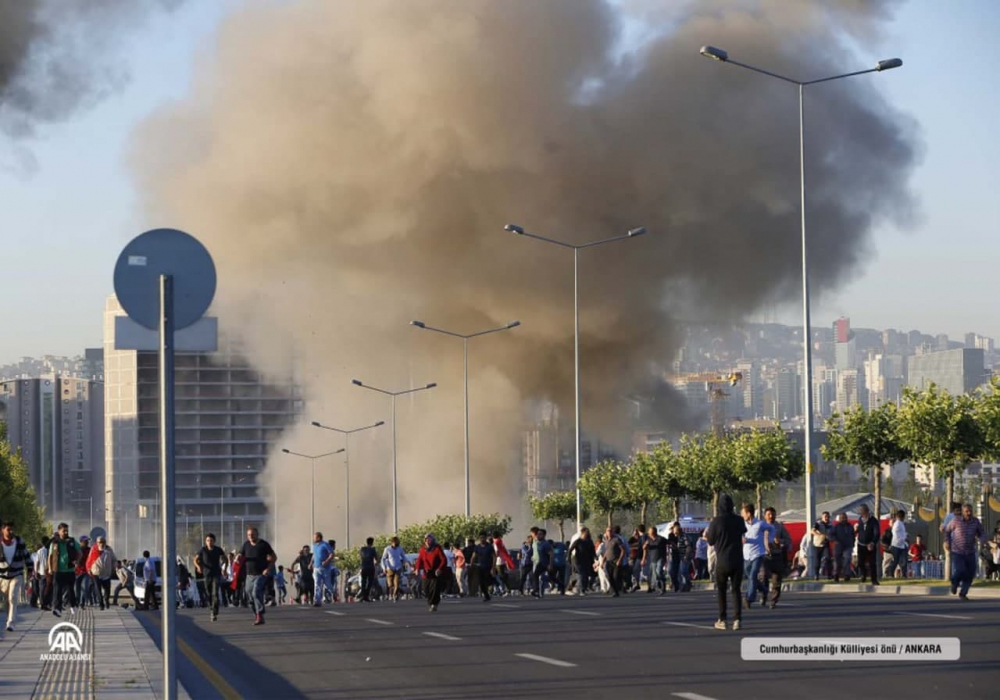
<point x="726" y="535"/>
<point x="585" y="554"/>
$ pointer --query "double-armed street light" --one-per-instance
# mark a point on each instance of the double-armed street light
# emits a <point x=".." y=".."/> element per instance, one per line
<point x="312" y="489"/>
<point x="393" y="394"/>
<point x="722" y="56"/>
<point x="347" y="464"/>
<point x="632" y="233"/>
<point x="465" y="343"/>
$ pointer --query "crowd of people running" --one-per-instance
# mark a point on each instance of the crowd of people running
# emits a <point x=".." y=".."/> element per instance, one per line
<point x="734" y="549"/>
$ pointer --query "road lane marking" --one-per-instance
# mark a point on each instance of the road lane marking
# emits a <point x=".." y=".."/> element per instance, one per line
<point x="378" y="622"/>
<point x="947" y="617"/>
<point x="206" y="669"/>
<point x="692" y="696"/>
<point x="547" y="660"/>
<point x="334" y="612"/>
<point x="581" y="612"/>
<point x="441" y="635"/>
<point x="504" y="605"/>
<point x="688" y="624"/>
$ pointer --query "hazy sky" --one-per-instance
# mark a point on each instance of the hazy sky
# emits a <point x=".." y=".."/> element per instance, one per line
<point x="64" y="220"/>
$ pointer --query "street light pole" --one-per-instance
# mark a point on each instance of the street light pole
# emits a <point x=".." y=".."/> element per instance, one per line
<point x="722" y="56"/>
<point x="393" y="394"/>
<point x="347" y="465"/>
<point x="465" y="343"/>
<point x="312" y="493"/>
<point x="632" y="233"/>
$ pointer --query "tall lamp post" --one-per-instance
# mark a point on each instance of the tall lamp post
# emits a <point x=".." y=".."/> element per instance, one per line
<point x="347" y="465"/>
<point x="722" y="56"/>
<point x="465" y="344"/>
<point x="312" y="491"/>
<point x="632" y="233"/>
<point x="393" y="394"/>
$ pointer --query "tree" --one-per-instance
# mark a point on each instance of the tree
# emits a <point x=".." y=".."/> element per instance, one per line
<point x="867" y="440"/>
<point x="762" y="458"/>
<point x="988" y="417"/>
<point x="942" y="431"/>
<point x="602" y="488"/>
<point x="559" y="506"/>
<point x="708" y="466"/>
<point x="17" y="497"/>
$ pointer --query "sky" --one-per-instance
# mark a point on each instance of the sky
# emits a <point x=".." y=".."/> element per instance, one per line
<point x="65" y="217"/>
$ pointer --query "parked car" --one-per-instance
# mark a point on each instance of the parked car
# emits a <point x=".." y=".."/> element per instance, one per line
<point x="140" y="579"/>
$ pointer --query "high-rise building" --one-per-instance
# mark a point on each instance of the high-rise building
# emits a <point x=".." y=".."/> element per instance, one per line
<point x="842" y="330"/>
<point x="752" y="389"/>
<point x="848" y="389"/>
<point x="787" y="399"/>
<point x="57" y="423"/>
<point x="942" y="342"/>
<point x="979" y="342"/>
<point x="959" y="371"/>
<point x="884" y="379"/>
<point x="226" y="420"/>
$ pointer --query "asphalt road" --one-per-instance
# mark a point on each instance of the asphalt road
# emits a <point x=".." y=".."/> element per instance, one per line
<point x="638" y="646"/>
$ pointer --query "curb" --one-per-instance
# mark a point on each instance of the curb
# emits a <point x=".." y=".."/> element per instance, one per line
<point x="883" y="589"/>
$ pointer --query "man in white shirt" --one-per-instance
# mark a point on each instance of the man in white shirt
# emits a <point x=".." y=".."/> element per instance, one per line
<point x="899" y="548"/>
<point x="40" y="565"/>
<point x="393" y="563"/>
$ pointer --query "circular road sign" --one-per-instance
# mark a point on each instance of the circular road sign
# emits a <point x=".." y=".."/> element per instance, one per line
<point x="164" y="251"/>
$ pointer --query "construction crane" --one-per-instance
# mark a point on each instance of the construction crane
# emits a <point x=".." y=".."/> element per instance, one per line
<point x="715" y="384"/>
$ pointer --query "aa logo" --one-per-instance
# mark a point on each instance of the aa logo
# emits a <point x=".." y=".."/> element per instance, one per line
<point x="65" y="643"/>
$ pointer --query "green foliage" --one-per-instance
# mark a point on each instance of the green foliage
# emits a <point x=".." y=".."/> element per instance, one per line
<point x="942" y="430"/>
<point x="17" y="497"/>
<point x="445" y="528"/>
<point x="865" y="439"/>
<point x="988" y="417"/>
<point x="762" y="458"/>
<point x="602" y="487"/>
<point x="708" y="466"/>
<point x="559" y="506"/>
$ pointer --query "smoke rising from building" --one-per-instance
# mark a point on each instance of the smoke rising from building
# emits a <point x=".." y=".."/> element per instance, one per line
<point x="351" y="166"/>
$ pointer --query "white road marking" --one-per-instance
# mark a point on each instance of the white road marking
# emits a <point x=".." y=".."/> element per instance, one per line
<point x="547" y="660"/>
<point x="692" y="696"/>
<point x="947" y="617"/>
<point x="688" y="624"/>
<point x="440" y="635"/>
<point x="334" y="612"/>
<point x="504" y="605"/>
<point x="581" y="612"/>
<point x="378" y="622"/>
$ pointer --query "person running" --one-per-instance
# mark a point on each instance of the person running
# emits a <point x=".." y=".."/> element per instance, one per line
<point x="558" y="568"/>
<point x="149" y="577"/>
<point x="866" y="530"/>
<point x="483" y="566"/>
<point x="842" y="535"/>
<point x="899" y="546"/>
<point x="208" y="562"/>
<point x="14" y="557"/>
<point x="917" y="550"/>
<point x="960" y="540"/>
<point x="755" y="546"/>
<point x="821" y="545"/>
<point x="583" y="552"/>
<point x="279" y="581"/>
<point x="258" y="556"/>
<point x="776" y="559"/>
<point x="40" y="575"/>
<point x="635" y="543"/>
<point x="541" y="555"/>
<point x="614" y="559"/>
<point x="654" y="555"/>
<point x="126" y="580"/>
<point x="525" y="562"/>
<point x="701" y="557"/>
<point x="369" y="565"/>
<point x="393" y="564"/>
<point x="304" y="575"/>
<point x="502" y="552"/>
<point x="101" y="567"/>
<point x="433" y="563"/>
<point x="82" y="581"/>
<point x="64" y="552"/>
<point x="725" y="533"/>
<point x="321" y="561"/>
<point x="677" y="544"/>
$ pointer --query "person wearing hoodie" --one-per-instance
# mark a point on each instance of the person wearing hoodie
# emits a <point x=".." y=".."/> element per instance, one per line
<point x="432" y="561"/>
<point x="726" y="534"/>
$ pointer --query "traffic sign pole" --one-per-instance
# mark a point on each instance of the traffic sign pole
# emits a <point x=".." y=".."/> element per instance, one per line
<point x="169" y="567"/>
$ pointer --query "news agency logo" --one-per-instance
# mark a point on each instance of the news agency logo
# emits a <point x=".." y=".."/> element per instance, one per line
<point x="65" y="644"/>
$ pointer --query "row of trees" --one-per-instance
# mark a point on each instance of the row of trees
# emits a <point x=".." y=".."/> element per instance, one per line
<point x="701" y="469"/>
<point x="17" y="497"/>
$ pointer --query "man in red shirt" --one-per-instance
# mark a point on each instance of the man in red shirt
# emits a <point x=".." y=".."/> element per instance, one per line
<point x="432" y="561"/>
<point x="917" y="550"/>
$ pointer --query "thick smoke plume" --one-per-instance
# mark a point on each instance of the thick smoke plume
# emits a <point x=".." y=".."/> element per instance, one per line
<point x="351" y="166"/>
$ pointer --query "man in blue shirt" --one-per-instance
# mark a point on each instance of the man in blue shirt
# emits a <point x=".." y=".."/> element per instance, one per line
<point x="322" y="564"/>
<point x="755" y="544"/>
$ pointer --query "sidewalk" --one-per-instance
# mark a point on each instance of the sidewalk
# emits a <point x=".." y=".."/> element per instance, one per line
<point x="124" y="662"/>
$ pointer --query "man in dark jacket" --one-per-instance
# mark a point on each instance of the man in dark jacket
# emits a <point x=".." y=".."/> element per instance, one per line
<point x="208" y="563"/>
<point x="866" y="530"/>
<point x="842" y="535"/>
<point x="583" y="551"/>
<point x="726" y="535"/>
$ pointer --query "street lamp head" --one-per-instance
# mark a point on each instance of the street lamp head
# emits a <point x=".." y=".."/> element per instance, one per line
<point x="317" y="424"/>
<point x="431" y="385"/>
<point x="342" y="449"/>
<point x="513" y="324"/>
<point x="381" y="422"/>
<point x="639" y="231"/>
<point x="285" y="451"/>
<point x="356" y="382"/>
<point x="888" y="64"/>
<point x="418" y="324"/>
<point x="714" y="53"/>
<point x="514" y="228"/>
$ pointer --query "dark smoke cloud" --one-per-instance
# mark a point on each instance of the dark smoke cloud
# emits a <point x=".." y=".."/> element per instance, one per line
<point x="55" y="56"/>
<point x="351" y="165"/>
